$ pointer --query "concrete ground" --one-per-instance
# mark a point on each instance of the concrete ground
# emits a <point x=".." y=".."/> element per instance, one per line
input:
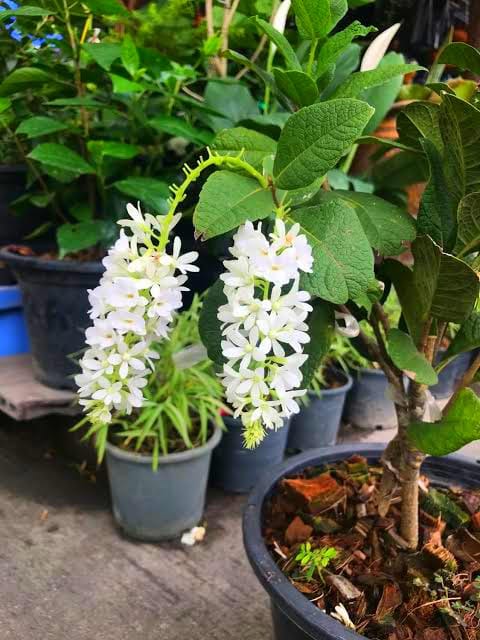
<point x="67" y="572"/>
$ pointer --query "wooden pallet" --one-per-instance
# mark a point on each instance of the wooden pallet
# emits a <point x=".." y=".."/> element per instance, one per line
<point x="24" y="398"/>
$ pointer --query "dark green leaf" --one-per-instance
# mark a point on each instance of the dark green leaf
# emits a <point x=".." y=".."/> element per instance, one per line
<point x="468" y="236"/>
<point x="255" y="145"/>
<point x="24" y="78"/>
<point x="461" y="55"/>
<point x="436" y="216"/>
<point x="313" y="18"/>
<point x="178" y="127"/>
<point x="151" y="192"/>
<point x="336" y="44"/>
<point x="420" y="120"/>
<point x="356" y="84"/>
<point x="227" y="200"/>
<point x="315" y="138"/>
<point x="88" y="103"/>
<point x="233" y="101"/>
<point x="209" y="325"/>
<point x="459" y="427"/>
<point x="405" y="356"/>
<point x="321" y="329"/>
<point x="26" y="11"/>
<point x="75" y="237"/>
<point x="296" y="85"/>
<point x="440" y="505"/>
<point x="104" y="53"/>
<point x="120" y="150"/>
<point x="283" y="45"/>
<point x="346" y="64"/>
<point x="40" y="126"/>
<point x="382" y="97"/>
<point x="106" y="7"/>
<point x="342" y="257"/>
<point x="60" y="157"/>
<point x="467" y="337"/>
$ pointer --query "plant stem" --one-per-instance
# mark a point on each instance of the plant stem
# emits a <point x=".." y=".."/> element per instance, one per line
<point x="311" y="56"/>
<point x="347" y="163"/>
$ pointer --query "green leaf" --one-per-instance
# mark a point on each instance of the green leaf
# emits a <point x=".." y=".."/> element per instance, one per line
<point x="386" y="226"/>
<point x="313" y="18"/>
<point x="26" y="11"/>
<point x="233" y="100"/>
<point x="405" y="356"/>
<point x="468" y="215"/>
<point x="209" y="326"/>
<point x="346" y="64"/>
<point x="467" y="338"/>
<point x="315" y="138"/>
<point x="321" y="328"/>
<point x="120" y="150"/>
<point x="129" y="55"/>
<point x="40" y="126"/>
<point x="226" y="201"/>
<point x="104" y="53"/>
<point x="356" y="84"/>
<point x="460" y="129"/>
<point x="151" y="192"/>
<point x="75" y="237"/>
<point x="335" y="45"/>
<point x="123" y="85"/>
<point x="462" y="55"/>
<point x="282" y="44"/>
<point x="60" y="157"/>
<point x="439" y="504"/>
<point x="296" y="85"/>
<point x="420" y="120"/>
<point x="342" y="257"/>
<point x="178" y="127"/>
<point x="458" y="428"/>
<point x="24" y="78"/>
<point x="439" y="286"/>
<point x="88" y="103"/>
<point x="436" y="217"/>
<point x="382" y="98"/>
<point x="106" y="7"/>
<point x="5" y="104"/>
<point x="255" y="145"/>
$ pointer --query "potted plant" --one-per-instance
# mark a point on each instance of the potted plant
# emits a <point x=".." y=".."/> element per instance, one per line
<point x="98" y="131"/>
<point x="318" y="422"/>
<point x="158" y="458"/>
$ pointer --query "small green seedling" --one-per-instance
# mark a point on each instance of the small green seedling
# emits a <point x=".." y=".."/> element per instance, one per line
<point x="314" y="559"/>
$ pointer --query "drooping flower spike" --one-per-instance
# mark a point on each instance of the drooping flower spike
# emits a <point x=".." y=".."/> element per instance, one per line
<point x="264" y="326"/>
<point x="133" y="305"/>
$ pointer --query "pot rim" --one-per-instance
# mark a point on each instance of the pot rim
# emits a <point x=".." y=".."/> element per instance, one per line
<point x="293" y="603"/>
<point x="335" y="391"/>
<point x="40" y="264"/>
<point x="368" y="371"/>
<point x="171" y="458"/>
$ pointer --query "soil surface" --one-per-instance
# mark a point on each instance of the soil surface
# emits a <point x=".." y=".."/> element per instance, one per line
<point x="323" y="530"/>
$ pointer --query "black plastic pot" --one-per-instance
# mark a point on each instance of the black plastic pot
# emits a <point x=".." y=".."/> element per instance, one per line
<point x="236" y="469"/>
<point x="318" y="422"/>
<point x="294" y="617"/>
<point x="55" y="301"/>
<point x="449" y="376"/>
<point x="368" y="405"/>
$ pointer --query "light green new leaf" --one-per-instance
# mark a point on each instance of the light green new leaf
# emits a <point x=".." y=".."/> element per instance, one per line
<point x="356" y="84"/>
<point x="129" y="55"/>
<point x="24" y="78"/>
<point x="282" y="44"/>
<point x="315" y="138"/>
<point x="334" y="45"/>
<point x="106" y="7"/>
<point x="455" y="430"/>
<point x="342" y="257"/>
<point x="75" y="237"/>
<point x="321" y="329"/>
<point x="461" y="55"/>
<point x="5" y="104"/>
<point x="386" y="226"/>
<point x="296" y="85"/>
<point x="436" y="216"/>
<point x="123" y="85"/>
<point x="40" y="126"/>
<point x="209" y="326"/>
<point x="468" y="235"/>
<point x="120" y="150"/>
<point x="149" y="191"/>
<point x="256" y="146"/>
<point x="178" y="127"/>
<point x="404" y="354"/>
<point x="26" y="11"/>
<point x="466" y="339"/>
<point x="227" y="200"/>
<point x="104" y="53"/>
<point x="60" y="157"/>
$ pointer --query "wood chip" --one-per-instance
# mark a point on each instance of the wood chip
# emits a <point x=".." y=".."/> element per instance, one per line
<point x="345" y="588"/>
<point x="297" y="531"/>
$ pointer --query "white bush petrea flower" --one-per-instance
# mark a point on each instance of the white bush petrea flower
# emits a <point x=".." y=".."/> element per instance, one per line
<point x="133" y="305"/>
<point x="263" y="324"/>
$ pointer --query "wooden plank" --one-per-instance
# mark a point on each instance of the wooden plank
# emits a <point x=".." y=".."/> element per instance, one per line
<point x="24" y="398"/>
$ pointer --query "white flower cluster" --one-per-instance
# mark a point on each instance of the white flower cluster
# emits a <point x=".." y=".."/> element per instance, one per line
<point x="134" y="304"/>
<point x="263" y="325"/>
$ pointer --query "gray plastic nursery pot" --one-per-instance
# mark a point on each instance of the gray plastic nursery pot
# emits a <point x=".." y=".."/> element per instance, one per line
<point x="318" y="422"/>
<point x="159" y="505"/>
<point x="236" y="469"/>
<point x="294" y="616"/>
<point x="450" y="375"/>
<point x="368" y="405"/>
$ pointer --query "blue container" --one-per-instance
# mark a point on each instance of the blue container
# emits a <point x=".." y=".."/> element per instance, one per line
<point x="450" y="375"/>
<point x="236" y="469"/>
<point x="368" y="405"/>
<point x="13" y="333"/>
